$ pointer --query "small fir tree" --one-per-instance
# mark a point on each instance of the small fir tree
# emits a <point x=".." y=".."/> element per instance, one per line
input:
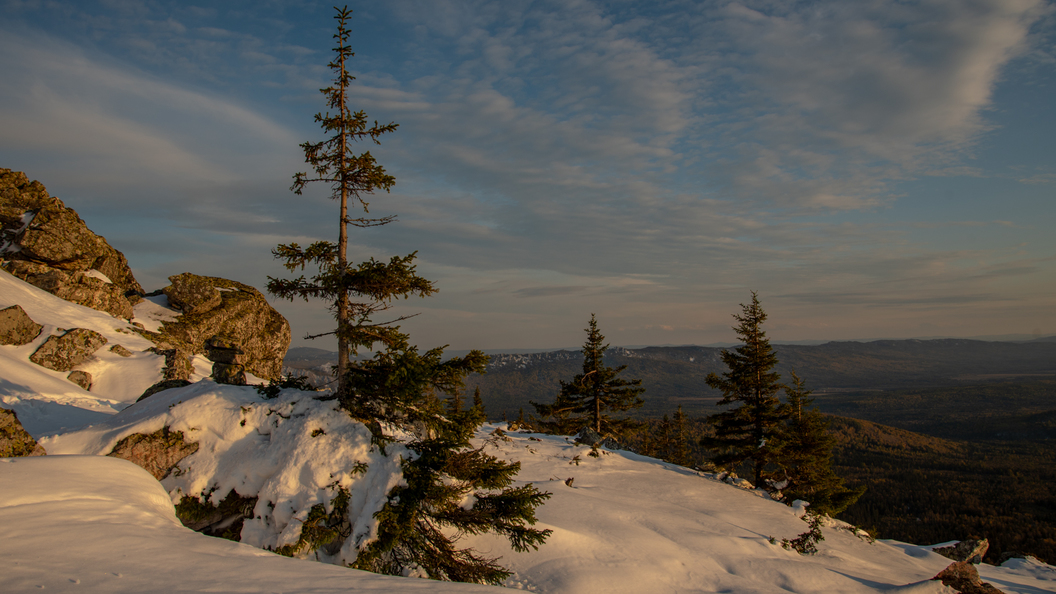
<point x="355" y="292"/>
<point x="805" y="456"/>
<point x="746" y="433"/>
<point x="593" y="394"/>
<point x="398" y="388"/>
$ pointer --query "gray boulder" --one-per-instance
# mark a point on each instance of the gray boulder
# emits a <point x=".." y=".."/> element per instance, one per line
<point x="15" y="441"/>
<point x="16" y="327"/>
<point x="587" y="436"/>
<point x="63" y="353"/>
<point x="157" y="453"/>
<point x="241" y="318"/>
<point x="969" y="551"/>
<point x="81" y="378"/>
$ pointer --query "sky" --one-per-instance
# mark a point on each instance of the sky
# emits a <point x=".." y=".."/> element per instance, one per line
<point x="873" y="169"/>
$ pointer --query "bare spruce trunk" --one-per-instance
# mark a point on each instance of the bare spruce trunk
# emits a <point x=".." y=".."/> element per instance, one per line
<point x="342" y="249"/>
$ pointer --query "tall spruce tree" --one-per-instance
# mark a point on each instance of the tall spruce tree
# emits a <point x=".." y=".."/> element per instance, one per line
<point x="400" y="388"/>
<point x="356" y="293"/>
<point x="747" y="432"/>
<point x="805" y="456"/>
<point x="592" y="395"/>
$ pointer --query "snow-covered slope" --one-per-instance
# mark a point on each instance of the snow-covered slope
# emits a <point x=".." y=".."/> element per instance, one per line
<point x="46" y="402"/>
<point x="621" y="522"/>
<point x="97" y="525"/>
<point x="291" y="453"/>
<point x="625" y="524"/>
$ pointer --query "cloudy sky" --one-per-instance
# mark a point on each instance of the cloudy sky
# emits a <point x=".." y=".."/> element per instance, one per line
<point x="872" y="169"/>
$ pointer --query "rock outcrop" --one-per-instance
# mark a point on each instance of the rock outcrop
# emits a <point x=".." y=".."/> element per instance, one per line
<point x="16" y="327"/>
<point x="48" y="245"/>
<point x="969" y="551"/>
<point x="228" y="311"/>
<point x="157" y="453"/>
<point x="63" y="353"/>
<point x="964" y="578"/>
<point x="167" y="384"/>
<point x="15" y="441"/>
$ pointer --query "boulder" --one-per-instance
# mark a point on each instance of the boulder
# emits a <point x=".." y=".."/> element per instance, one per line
<point x="157" y="453"/>
<point x="587" y="436"/>
<point x="16" y="327"/>
<point x="48" y="245"/>
<point x="963" y="578"/>
<point x="226" y="373"/>
<point x="163" y="385"/>
<point x="81" y="378"/>
<point x="970" y="551"/>
<point x="224" y="520"/>
<point x="120" y="350"/>
<point x="241" y="319"/>
<point x="192" y="293"/>
<point x="177" y="362"/>
<point x="40" y="228"/>
<point x="227" y="361"/>
<point x="15" y="441"/>
<point x="78" y="287"/>
<point x="63" y="353"/>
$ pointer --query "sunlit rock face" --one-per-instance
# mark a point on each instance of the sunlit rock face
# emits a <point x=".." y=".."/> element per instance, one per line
<point x="47" y="244"/>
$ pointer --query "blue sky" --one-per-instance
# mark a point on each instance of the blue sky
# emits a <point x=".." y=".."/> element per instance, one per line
<point x="872" y="169"/>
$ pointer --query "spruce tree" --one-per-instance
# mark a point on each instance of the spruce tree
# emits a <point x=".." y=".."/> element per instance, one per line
<point x="805" y="456"/>
<point x="680" y="437"/>
<point x="398" y="391"/>
<point x="592" y="395"/>
<point x="354" y="292"/>
<point x="747" y="432"/>
<point x="423" y="519"/>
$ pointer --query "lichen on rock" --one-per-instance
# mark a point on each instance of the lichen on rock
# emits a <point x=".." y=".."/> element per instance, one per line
<point x="15" y="441"/>
<point x="242" y="318"/>
<point x="16" y="327"/>
<point x="48" y="245"/>
<point x="157" y="453"/>
<point x="63" y="353"/>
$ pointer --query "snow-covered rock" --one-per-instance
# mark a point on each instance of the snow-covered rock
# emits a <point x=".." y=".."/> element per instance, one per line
<point x="290" y="453"/>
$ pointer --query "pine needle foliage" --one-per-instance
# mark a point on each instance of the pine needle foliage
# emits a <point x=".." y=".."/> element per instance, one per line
<point x="355" y="293"/>
<point x="747" y="433"/>
<point x="592" y="395"/>
<point x="805" y="456"/>
<point x="449" y="485"/>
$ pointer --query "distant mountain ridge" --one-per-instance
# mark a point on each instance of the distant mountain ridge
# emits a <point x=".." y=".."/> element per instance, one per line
<point x="675" y="376"/>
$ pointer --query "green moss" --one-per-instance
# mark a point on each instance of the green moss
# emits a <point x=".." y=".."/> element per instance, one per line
<point x="224" y="520"/>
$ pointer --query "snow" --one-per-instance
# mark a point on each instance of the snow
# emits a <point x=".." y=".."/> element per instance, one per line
<point x="98" y="525"/>
<point x="99" y="275"/>
<point x="48" y="403"/>
<point x="154" y="310"/>
<point x="292" y="452"/>
<point x="625" y="523"/>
